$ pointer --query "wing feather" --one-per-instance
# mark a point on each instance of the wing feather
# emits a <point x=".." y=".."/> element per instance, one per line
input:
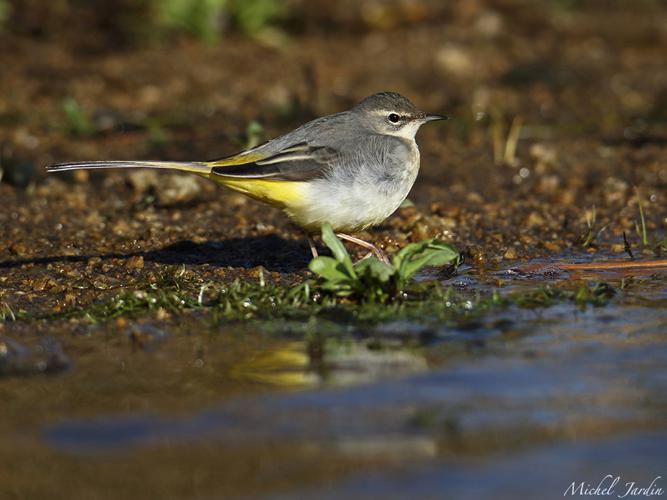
<point x="298" y="162"/>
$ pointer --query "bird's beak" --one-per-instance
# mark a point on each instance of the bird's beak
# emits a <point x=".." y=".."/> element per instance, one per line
<point x="429" y="117"/>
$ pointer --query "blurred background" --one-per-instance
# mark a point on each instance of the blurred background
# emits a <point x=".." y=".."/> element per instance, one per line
<point x="192" y="78"/>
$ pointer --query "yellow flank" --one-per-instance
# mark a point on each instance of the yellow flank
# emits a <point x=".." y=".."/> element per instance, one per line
<point x="278" y="193"/>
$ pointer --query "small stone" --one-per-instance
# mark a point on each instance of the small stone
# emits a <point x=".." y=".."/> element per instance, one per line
<point x="421" y="232"/>
<point x="100" y="284"/>
<point x="534" y="220"/>
<point x="175" y="189"/>
<point x="551" y="246"/>
<point x="258" y="272"/>
<point x="93" y="261"/>
<point x="615" y="190"/>
<point x="121" y="228"/>
<point x="473" y="197"/>
<point x="162" y="314"/>
<point x="18" y="249"/>
<point x="142" y="180"/>
<point x="543" y="155"/>
<point x="476" y="254"/>
<point x="135" y="262"/>
<point x="548" y="184"/>
<point x="448" y="222"/>
<point x="40" y="284"/>
<point x="510" y="253"/>
<point x="81" y="176"/>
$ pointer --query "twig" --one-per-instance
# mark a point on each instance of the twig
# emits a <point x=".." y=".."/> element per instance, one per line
<point x="593" y="266"/>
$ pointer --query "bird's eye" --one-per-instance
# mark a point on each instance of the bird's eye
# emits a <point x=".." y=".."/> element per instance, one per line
<point x="394" y="118"/>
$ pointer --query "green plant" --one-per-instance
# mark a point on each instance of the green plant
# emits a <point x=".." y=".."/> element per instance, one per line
<point x="206" y="19"/>
<point x="202" y="18"/>
<point x="6" y="312"/>
<point x="641" y="227"/>
<point x="5" y="12"/>
<point x="648" y="242"/>
<point x="78" y="122"/>
<point x="254" y="134"/>
<point x="589" y="238"/>
<point x="252" y="16"/>
<point x="371" y="279"/>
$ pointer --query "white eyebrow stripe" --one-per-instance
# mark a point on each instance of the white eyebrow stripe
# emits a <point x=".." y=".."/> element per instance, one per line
<point x="385" y="112"/>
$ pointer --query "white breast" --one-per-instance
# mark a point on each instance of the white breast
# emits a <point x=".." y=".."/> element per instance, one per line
<point x="350" y="206"/>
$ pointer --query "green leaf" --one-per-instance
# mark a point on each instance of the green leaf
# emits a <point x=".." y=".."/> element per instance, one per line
<point x="337" y="247"/>
<point x="338" y="288"/>
<point x="415" y="256"/>
<point x="329" y="269"/>
<point x="371" y="267"/>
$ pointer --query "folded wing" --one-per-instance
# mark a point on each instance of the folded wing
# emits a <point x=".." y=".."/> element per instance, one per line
<point x="299" y="162"/>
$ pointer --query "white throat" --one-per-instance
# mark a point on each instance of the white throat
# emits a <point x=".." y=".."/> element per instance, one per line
<point x="407" y="131"/>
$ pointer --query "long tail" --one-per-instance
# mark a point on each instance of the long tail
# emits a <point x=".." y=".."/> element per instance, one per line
<point x="185" y="166"/>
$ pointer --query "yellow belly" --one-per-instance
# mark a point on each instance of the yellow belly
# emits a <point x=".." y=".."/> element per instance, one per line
<point x="282" y="194"/>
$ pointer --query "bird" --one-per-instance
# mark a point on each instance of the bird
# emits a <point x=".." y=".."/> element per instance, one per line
<point x="351" y="169"/>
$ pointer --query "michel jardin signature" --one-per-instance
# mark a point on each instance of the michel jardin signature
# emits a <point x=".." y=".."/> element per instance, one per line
<point x="611" y="486"/>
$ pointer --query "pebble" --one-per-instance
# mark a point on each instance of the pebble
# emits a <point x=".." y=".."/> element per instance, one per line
<point x="169" y="189"/>
<point x="19" y="249"/>
<point x="421" y="232"/>
<point x="177" y="189"/>
<point x="135" y="262"/>
<point x="510" y="253"/>
<point x="543" y="155"/>
<point x="552" y="247"/>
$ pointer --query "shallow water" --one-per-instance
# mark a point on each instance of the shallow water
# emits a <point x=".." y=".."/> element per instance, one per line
<point x="517" y="402"/>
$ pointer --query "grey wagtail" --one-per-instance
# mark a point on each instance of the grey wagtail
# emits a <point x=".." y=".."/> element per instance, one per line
<point x="351" y="169"/>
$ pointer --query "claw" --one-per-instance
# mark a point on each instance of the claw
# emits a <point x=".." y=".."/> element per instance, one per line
<point x="369" y="246"/>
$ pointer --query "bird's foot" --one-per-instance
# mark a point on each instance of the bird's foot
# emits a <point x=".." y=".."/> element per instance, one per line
<point x="313" y="248"/>
<point x="369" y="246"/>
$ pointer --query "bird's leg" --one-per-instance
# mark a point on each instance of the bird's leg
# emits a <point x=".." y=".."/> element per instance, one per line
<point x="368" y="246"/>
<point x="313" y="248"/>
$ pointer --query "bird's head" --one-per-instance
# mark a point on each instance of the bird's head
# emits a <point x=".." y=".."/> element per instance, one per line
<point x="392" y="114"/>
